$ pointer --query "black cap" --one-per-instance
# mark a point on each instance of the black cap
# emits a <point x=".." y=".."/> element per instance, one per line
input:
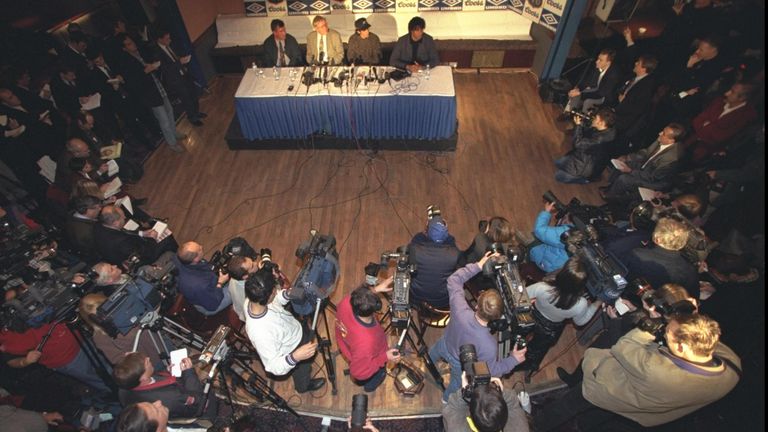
<point x="362" y="24"/>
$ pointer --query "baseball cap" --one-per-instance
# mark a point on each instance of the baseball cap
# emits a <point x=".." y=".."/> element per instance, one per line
<point x="437" y="230"/>
<point x="362" y="24"/>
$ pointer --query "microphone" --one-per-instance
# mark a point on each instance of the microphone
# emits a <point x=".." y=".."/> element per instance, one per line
<point x="322" y="57"/>
<point x="375" y="73"/>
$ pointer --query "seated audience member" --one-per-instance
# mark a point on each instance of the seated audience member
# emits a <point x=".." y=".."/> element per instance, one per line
<point x="22" y="420"/>
<point x="489" y="408"/>
<point x="115" y="245"/>
<point x="598" y="87"/>
<point x="78" y="229"/>
<point x="741" y="173"/>
<point x="143" y="417"/>
<point x="416" y="50"/>
<point x="361" y="338"/>
<point x="40" y="120"/>
<point x="652" y="167"/>
<point x="198" y="282"/>
<point x="589" y="155"/>
<point x="184" y="397"/>
<point x="75" y="148"/>
<point x="662" y="262"/>
<point x="363" y="47"/>
<point x="61" y="352"/>
<point x="130" y="170"/>
<point x="323" y="44"/>
<point x="635" y="100"/>
<point x="435" y="254"/>
<point x="555" y="301"/>
<point x="116" y="348"/>
<point x="720" y="121"/>
<point x="282" y="342"/>
<point x="471" y="327"/>
<point x="549" y="255"/>
<point x="109" y="276"/>
<point x="281" y="49"/>
<point x="646" y="383"/>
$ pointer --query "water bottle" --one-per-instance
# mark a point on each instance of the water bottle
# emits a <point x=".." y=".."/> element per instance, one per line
<point x="426" y="73"/>
<point x="253" y="65"/>
<point x="276" y="73"/>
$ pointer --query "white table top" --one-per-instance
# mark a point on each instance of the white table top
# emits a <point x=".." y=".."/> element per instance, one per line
<point x="260" y="83"/>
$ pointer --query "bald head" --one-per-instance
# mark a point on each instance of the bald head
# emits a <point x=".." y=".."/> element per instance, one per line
<point x="78" y="147"/>
<point x="190" y="253"/>
<point x="112" y="217"/>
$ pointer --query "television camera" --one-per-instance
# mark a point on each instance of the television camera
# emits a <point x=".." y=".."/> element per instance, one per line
<point x="400" y="306"/>
<point x="478" y="373"/>
<point x="237" y="246"/>
<point x="317" y="276"/>
<point x="585" y="117"/>
<point x="503" y="269"/>
<point x="606" y="275"/>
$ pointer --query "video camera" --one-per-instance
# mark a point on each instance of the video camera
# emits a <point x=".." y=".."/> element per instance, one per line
<point x="606" y="275"/>
<point x="129" y="305"/>
<point x="478" y="373"/>
<point x="589" y="214"/>
<point x="648" y="295"/>
<point x="400" y="306"/>
<point x="517" y="305"/>
<point x="586" y="117"/>
<point x="698" y="246"/>
<point x="317" y="276"/>
<point x="237" y="246"/>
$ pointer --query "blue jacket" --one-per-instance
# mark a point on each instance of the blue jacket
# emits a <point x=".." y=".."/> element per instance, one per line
<point x="197" y="283"/>
<point x="550" y="255"/>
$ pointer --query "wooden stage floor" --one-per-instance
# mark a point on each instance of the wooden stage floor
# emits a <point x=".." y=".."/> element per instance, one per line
<point x="371" y="202"/>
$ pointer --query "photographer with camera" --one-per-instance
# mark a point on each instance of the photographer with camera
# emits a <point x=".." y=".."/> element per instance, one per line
<point x="557" y="299"/>
<point x="435" y="256"/>
<point x="280" y="339"/>
<point x="361" y="338"/>
<point x="484" y="408"/>
<point x="550" y="254"/>
<point x="647" y="383"/>
<point x="471" y="327"/>
<point x="587" y="160"/>
<point x="240" y="269"/>
<point x="135" y="375"/>
<point x="200" y="284"/>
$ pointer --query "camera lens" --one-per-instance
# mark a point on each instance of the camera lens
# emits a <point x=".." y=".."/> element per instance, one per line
<point x="467" y="354"/>
<point x="359" y="410"/>
<point x="497" y="248"/>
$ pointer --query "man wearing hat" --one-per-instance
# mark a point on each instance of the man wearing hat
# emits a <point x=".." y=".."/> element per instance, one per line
<point x="364" y="47"/>
<point x="435" y="254"/>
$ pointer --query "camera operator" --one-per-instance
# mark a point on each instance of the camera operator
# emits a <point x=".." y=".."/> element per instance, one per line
<point x="620" y="240"/>
<point x="240" y="268"/>
<point x="60" y="352"/>
<point x="590" y="150"/>
<point x="471" y="327"/>
<point x="114" y="349"/>
<point x="280" y="339"/>
<point x="550" y="254"/>
<point x="490" y="408"/>
<point x="435" y="255"/>
<point x="557" y="299"/>
<point x="115" y="245"/>
<point x="184" y="397"/>
<point x="662" y="262"/>
<point x="494" y="230"/>
<point x="647" y="383"/>
<point x="361" y="338"/>
<point x="198" y="282"/>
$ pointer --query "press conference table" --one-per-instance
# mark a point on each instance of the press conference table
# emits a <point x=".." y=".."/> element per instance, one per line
<point x="413" y="108"/>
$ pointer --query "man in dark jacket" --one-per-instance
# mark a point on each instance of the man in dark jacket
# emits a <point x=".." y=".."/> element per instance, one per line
<point x="184" y="397"/>
<point x="116" y="245"/>
<point x="435" y="255"/>
<point x="280" y="48"/>
<point x="198" y="283"/>
<point x="416" y="50"/>
<point x="78" y="229"/>
<point x="176" y="78"/>
<point x="588" y="158"/>
<point x="635" y="99"/>
<point x="598" y="87"/>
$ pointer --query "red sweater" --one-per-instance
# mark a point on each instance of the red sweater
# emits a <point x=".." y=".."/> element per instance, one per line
<point x="363" y="345"/>
<point x="712" y="131"/>
<point x="59" y="351"/>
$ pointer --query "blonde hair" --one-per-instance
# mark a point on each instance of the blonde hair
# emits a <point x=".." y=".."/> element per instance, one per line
<point x="89" y="304"/>
<point x="670" y="234"/>
<point x="84" y="186"/>
<point x="700" y="332"/>
<point x="489" y="305"/>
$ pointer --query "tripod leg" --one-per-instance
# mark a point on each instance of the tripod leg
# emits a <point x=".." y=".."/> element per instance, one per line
<point x="325" y="351"/>
<point x="257" y="386"/>
<point x="421" y="350"/>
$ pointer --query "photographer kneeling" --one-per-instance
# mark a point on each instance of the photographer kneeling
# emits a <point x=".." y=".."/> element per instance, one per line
<point x="486" y="408"/>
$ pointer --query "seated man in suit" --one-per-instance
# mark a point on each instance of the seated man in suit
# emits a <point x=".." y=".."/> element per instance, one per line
<point x="115" y="245"/>
<point x="589" y="155"/>
<point x="416" y="50"/>
<point x="280" y="48"/>
<point x="598" y="87"/>
<point x="636" y="98"/>
<point x="184" y="397"/>
<point x="652" y="167"/>
<point x="324" y="45"/>
<point x="78" y="229"/>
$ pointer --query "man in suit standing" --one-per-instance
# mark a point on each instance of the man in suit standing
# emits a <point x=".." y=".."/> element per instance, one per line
<point x="176" y="77"/>
<point x="599" y="87"/>
<point x="324" y="45"/>
<point x="280" y="48"/>
<point x="651" y="167"/>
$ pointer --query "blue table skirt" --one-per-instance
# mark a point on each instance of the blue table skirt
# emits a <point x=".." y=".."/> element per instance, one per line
<point x="364" y="117"/>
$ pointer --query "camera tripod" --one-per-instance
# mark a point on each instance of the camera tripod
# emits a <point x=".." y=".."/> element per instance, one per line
<point x="324" y="344"/>
<point x="418" y="345"/>
<point x="154" y="323"/>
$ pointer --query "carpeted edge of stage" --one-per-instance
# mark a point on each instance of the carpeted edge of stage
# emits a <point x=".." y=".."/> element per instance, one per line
<point x="236" y="141"/>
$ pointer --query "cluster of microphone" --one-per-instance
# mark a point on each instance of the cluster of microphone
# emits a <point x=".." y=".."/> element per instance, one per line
<point x="324" y="72"/>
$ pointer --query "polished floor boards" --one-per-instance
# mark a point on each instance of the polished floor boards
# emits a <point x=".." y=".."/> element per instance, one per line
<point x="370" y="202"/>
